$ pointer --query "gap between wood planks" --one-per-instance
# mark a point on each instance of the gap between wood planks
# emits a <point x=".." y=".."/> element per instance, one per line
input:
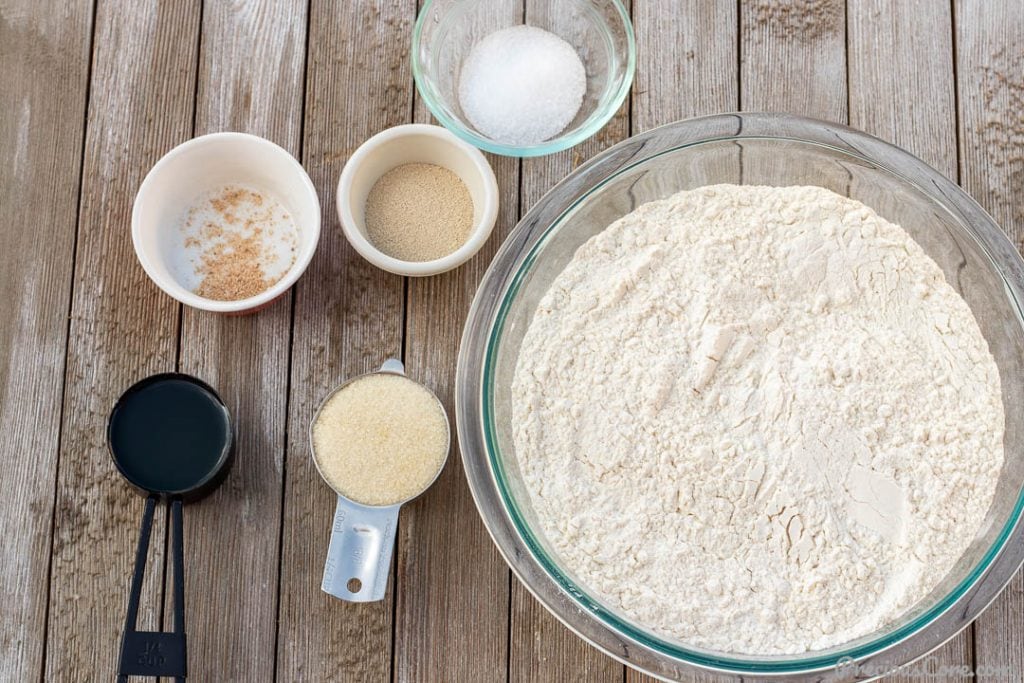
<point x="393" y="571"/>
<point x="288" y="371"/>
<point x="67" y="340"/>
<point x="972" y="630"/>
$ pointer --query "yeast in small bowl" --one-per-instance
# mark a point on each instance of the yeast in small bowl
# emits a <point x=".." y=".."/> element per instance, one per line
<point x="416" y="144"/>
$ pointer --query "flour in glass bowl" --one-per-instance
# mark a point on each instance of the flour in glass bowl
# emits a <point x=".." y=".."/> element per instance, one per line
<point x="757" y="420"/>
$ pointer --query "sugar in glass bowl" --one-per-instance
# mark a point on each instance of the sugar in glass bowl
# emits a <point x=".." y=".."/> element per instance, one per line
<point x="976" y="257"/>
<point x="600" y="31"/>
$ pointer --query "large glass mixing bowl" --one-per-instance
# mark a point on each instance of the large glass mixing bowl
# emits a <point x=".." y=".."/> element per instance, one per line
<point x="755" y="149"/>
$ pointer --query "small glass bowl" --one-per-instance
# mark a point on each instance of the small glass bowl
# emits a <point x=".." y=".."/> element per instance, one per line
<point x="600" y="30"/>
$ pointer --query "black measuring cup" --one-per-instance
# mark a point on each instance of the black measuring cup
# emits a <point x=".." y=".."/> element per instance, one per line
<point x="170" y="436"/>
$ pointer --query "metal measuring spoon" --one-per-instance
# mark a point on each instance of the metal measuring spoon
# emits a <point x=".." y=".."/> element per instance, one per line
<point x="170" y="436"/>
<point x="363" y="536"/>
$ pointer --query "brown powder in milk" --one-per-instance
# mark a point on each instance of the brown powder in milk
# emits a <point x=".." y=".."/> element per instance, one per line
<point x="234" y="253"/>
<point x="232" y="268"/>
<point x="381" y="440"/>
<point x="419" y="212"/>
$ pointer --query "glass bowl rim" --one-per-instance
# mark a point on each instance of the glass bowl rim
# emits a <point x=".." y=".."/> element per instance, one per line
<point x="474" y="392"/>
<point x="561" y="142"/>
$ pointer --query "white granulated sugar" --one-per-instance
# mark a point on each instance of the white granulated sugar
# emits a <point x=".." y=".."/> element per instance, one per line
<point x="522" y="85"/>
<point x="757" y="420"/>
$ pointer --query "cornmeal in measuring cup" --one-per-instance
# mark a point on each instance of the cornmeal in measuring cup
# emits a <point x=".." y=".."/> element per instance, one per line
<point x="381" y="439"/>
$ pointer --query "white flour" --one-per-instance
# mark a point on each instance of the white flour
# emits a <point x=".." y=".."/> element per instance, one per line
<point x="757" y="420"/>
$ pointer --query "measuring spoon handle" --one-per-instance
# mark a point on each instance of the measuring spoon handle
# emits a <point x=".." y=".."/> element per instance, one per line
<point x="155" y="653"/>
<point x="359" y="557"/>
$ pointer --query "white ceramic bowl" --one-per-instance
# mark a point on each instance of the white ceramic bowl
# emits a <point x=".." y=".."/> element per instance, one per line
<point x="199" y="166"/>
<point x="408" y="144"/>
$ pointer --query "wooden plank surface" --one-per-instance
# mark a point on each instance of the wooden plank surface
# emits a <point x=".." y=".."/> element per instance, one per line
<point x="451" y="616"/>
<point x="687" y="56"/>
<point x="793" y="57"/>
<point x="901" y="77"/>
<point x="348" y="320"/>
<point x="990" y="82"/>
<point x="787" y="42"/>
<point x="44" y="53"/>
<point x="901" y="88"/>
<point x="936" y="78"/>
<point x="990" y="79"/>
<point x="122" y="329"/>
<point x="251" y="79"/>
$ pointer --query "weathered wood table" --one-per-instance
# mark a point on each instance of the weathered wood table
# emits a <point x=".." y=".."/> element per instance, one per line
<point x="94" y="92"/>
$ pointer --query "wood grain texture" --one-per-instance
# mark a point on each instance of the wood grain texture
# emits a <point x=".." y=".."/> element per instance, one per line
<point x="452" y="587"/>
<point x="540" y="647"/>
<point x="44" y="50"/>
<point x="793" y="57"/>
<point x="901" y="88"/>
<point x="251" y="79"/>
<point x="793" y="60"/>
<point x="686" y="60"/>
<point x="348" y="320"/>
<point x="990" y="77"/>
<point x="999" y="636"/>
<point x="990" y="80"/>
<point x="901" y="76"/>
<point x="687" y="65"/>
<point x="122" y="328"/>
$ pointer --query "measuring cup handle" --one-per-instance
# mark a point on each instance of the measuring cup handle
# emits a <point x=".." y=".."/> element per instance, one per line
<point x="154" y="653"/>
<point x="359" y="557"/>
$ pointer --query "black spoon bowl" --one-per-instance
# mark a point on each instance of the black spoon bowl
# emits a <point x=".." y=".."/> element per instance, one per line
<point x="170" y="437"/>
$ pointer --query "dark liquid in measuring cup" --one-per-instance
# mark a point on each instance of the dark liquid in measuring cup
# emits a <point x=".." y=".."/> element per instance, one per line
<point x="171" y="435"/>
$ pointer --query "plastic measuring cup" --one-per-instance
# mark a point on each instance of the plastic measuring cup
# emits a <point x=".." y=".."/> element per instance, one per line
<point x="363" y="536"/>
<point x="170" y="436"/>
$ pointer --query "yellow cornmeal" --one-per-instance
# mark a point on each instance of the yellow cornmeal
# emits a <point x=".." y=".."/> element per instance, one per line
<point x="381" y="440"/>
